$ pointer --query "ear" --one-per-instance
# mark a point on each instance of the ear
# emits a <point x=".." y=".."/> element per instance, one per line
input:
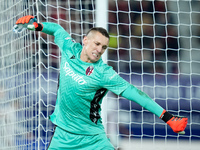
<point x="85" y="40"/>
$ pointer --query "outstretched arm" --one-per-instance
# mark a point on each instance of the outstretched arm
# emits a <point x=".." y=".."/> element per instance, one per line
<point x="177" y="123"/>
<point x="46" y="27"/>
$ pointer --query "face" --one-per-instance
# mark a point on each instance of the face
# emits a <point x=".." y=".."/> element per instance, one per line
<point x="94" y="45"/>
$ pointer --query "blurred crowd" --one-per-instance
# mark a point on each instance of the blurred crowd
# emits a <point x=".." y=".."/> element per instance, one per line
<point x="146" y="37"/>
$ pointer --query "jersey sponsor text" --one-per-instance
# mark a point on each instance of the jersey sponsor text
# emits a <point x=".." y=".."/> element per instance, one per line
<point x="75" y="77"/>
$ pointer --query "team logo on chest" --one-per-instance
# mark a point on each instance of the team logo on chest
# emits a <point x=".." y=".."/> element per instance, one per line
<point x="89" y="70"/>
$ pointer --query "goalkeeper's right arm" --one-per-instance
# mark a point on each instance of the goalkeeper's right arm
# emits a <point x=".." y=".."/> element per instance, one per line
<point x="46" y="27"/>
<point x="26" y="21"/>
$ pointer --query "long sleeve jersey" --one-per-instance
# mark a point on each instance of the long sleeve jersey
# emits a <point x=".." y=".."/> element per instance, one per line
<point x="83" y="85"/>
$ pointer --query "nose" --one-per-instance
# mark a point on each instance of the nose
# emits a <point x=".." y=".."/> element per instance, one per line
<point x="99" y="49"/>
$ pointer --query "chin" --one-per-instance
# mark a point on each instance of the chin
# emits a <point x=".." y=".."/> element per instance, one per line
<point x="94" y="60"/>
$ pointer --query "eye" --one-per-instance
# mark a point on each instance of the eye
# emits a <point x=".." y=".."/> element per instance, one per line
<point x="97" y="43"/>
<point x="104" y="47"/>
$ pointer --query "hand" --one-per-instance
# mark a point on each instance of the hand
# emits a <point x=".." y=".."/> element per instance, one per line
<point x="29" y="21"/>
<point x="177" y="123"/>
<point x="24" y="19"/>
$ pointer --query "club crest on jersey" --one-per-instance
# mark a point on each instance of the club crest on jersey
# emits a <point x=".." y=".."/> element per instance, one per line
<point x="89" y="70"/>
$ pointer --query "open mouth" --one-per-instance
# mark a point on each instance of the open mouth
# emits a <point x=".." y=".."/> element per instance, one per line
<point x="95" y="55"/>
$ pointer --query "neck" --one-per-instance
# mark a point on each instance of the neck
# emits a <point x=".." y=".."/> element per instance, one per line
<point x="83" y="57"/>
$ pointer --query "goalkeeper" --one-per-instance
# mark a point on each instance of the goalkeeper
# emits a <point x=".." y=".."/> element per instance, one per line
<point x="83" y="81"/>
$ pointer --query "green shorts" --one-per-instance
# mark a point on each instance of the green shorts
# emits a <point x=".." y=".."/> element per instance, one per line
<point x="63" y="140"/>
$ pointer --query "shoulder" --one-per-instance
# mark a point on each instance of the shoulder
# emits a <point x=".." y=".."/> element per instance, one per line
<point x="104" y="69"/>
<point x="103" y="66"/>
<point x="70" y="46"/>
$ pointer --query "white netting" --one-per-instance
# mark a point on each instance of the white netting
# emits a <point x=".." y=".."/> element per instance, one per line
<point x="154" y="45"/>
<point x="17" y="83"/>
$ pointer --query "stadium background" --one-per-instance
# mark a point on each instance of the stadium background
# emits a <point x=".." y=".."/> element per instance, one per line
<point x="154" y="45"/>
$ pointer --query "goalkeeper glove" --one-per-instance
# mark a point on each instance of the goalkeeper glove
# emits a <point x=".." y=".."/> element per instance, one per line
<point x="27" y="22"/>
<point x="177" y="123"/>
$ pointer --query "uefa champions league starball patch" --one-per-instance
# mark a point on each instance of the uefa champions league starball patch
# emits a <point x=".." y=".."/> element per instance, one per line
<point x="89" y="70"/>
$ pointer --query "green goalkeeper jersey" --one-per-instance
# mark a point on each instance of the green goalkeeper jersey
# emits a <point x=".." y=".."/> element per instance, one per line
<point x="82" y="86"/>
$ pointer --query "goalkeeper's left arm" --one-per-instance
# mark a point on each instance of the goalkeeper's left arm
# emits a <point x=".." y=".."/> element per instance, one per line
<point x="177" y="123"/>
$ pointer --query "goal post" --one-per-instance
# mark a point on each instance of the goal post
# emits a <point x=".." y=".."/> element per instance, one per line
<point x="154" y="45"/>
<point x="101" y="20"/>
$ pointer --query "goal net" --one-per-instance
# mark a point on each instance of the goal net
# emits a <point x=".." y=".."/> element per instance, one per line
<point x="153" y="44"/>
